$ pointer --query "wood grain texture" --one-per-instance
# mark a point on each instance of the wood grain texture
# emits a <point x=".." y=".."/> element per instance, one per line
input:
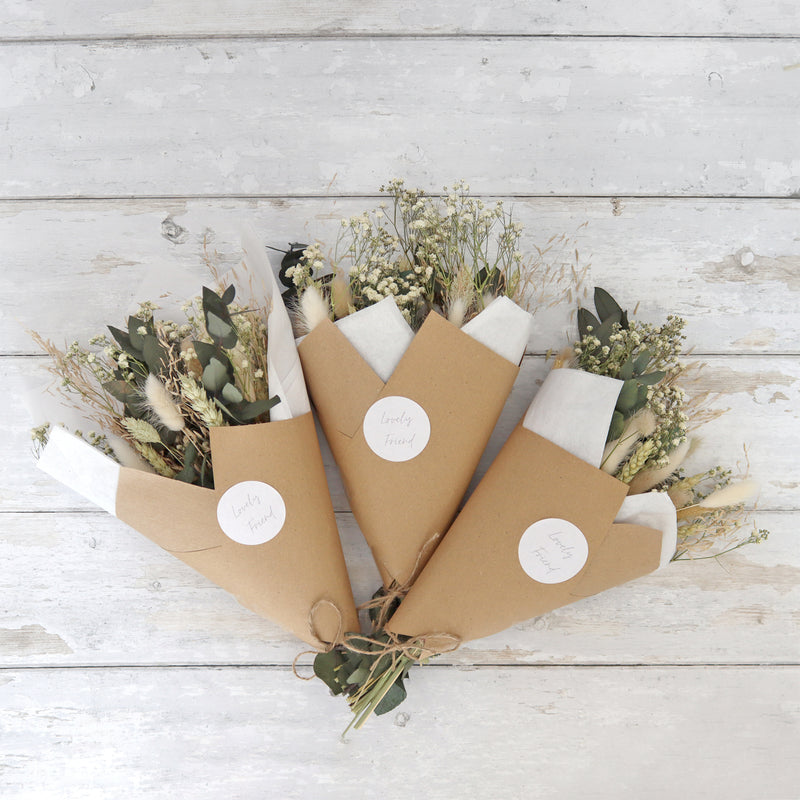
<point x="544" y="732"/>
<point x="288" y="117"/>
<point x="670" y="128"/>
<point x="730" y="267"/>
<point x="88" y="591"/>
<point x="142" y="18"/>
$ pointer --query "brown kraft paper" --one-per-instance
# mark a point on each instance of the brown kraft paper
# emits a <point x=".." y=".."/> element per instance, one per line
<point x="474" y="585"/>
<point x="404" y="507"/>
<point x="282" y="579"/>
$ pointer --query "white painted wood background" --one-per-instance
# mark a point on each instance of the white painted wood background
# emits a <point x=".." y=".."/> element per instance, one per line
<point x="132" y="131"/>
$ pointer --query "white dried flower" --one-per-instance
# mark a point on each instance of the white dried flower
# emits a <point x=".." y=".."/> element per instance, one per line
<point x="159" y="401"/>
<point x="731" y="495"/>
<point x="457" y="312"/>
<point x="313" y="308"/>
<point x="127" y="456"/>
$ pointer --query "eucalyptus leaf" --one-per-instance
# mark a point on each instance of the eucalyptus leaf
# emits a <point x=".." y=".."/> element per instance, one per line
<point x="626" y="370"/>
<point x="230" y="413"/>
<point x="396" y="694"/>
<point x="154" y="354"/>
<point x="214" y="307"/>
<point x="326" y="666"/>
<point x="215" y="375"/>
<point x="652" y="378"/>
<point x="362" y="643"/>
<point x="587" y="320"/>
<point x="206" y="474"/>
<point x="641" y="362"/>
<point x="603" y="333"/>
<point x="249" y="411"/>
<point x="606" y="305"/>
<point x="205" y="352"/>
<point x="188" y="473"/>
<point x="121" y="390"/>
<point x="221" y="331"/>
<point x="231" y="394"/>
<point x="291" y="258"/>
<point x="137" y="339"/>
<point x="617" y="426"/>
<point x="213" y="302"/>
<point x="358" y="675"/>
<point x="228" y="295"/>
<point x="124" y="341"/>
<point x="627" y="396"/>
<point x="383" y="663"/>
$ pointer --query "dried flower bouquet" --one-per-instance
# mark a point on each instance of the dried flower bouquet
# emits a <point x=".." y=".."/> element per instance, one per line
<point x="194" y="453"/>
<point x="593" y="470"/>
<point x="412" y="344"/>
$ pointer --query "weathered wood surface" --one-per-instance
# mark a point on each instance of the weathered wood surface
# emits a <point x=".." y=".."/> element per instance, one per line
<point x="122" y="672"/>
<point x="540" y="732"/>
<point x="146" y="18"/>
<point x="731" y="267"/>
<point x="299" y="116"/>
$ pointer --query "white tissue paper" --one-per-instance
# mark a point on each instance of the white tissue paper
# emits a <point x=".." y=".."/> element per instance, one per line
<point x="503" y="327"/>
<point x="653" y="510"/>
<point x="82" y="468"/>
<point x="380" y="334"/>
<point x="573" y="410"/>
<point x="284" y="373"/>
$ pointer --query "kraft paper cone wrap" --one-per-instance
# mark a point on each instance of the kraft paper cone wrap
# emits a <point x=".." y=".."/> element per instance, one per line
<point x="474" y="585"/>
<point x="282" y="579"/>
<point x="403" y="507"/>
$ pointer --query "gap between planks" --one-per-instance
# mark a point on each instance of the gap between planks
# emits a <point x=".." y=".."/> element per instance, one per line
<point x="409" y="36"/>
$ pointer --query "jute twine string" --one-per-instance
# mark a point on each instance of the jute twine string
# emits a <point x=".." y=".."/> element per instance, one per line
<point x="418" y="648"/>
<point x="323" y="646"/>
<point x="396" y="591"/>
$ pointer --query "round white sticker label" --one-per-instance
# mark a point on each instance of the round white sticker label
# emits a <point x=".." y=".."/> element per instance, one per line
<point x="552" y="550"/>
<point x="396" y="428"/>
<point x="251" y="512"/>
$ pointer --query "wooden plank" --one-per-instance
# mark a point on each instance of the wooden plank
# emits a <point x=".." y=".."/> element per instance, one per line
<point x="86" y="590"/>
<point x="52" y="19"/>
<point x="761" y="393"/>
<point x="730" y="267"/>
<point x="509" y="733"/>
<point x="281" y="117"/>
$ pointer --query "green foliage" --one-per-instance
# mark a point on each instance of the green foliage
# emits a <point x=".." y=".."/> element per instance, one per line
<point x="611" y="345"/>
<point x="161" y="385"/>
<point x="429" y="253"/>
<point x="218" y="372"/>
<point x="370" y="671"/>
<point x="364" y="667"/>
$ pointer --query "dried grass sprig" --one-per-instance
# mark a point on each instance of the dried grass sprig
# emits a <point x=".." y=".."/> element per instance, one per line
<point x="161" y="404"/>
<point x="313" y="309"/>
<point x="152" y="457"/>
<point x="203" y="408"/>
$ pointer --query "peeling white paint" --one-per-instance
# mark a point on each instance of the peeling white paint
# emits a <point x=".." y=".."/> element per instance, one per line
<point x="146" y="97"/>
